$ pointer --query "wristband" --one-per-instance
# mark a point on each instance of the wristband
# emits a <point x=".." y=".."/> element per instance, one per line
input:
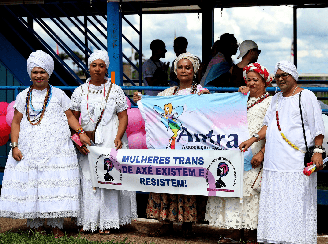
<point x="318" y="150"/>
<point x="13" y="144"/>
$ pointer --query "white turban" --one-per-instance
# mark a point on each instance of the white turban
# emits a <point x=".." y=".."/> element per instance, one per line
<point x="287" y="67"/>
<point x="99" y="54"/>
<point x="40" y="59"/>
<point x="193" y="59"/>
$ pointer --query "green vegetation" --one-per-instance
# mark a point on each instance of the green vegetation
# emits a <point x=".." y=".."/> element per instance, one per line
<point x="31" y="237"/>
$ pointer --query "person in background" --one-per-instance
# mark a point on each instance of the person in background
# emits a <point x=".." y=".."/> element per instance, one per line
<point x="103" y="109"/>
<point x="249" y="53"/>
<point x="180" y="45"/>
<point x="228" y="212"/>
<point x="155" y="71"/>
<point x="41" y="178"/>
<point x="288" y="203"/>
<point x="217" y="72"/>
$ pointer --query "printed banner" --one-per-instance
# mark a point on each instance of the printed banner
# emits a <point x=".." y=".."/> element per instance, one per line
<point x="190" y="172"/>
<point x="210" y="121"/>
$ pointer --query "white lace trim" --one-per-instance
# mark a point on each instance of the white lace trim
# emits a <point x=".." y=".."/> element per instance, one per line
<point x="34" y="215"/>
<point x="28" y="168"/>
<point x="34" y="198"/>
<point x="52" y="222"/>
<point x="40" y="183"/>
<point x="105" y="225"/>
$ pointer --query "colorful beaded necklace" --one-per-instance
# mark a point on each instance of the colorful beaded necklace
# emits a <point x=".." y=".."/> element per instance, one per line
<point x="261" y="98"/>
<point x="47" y="98"/>
<point x="279" y="128"/>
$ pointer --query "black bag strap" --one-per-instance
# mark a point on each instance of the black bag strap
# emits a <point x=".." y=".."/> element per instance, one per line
<point x="303" y="123"/>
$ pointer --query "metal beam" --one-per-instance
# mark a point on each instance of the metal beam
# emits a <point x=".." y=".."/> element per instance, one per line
<point x="114" y="41"/>
<point x="207" y="31"/>
<point x="295" y="34"/>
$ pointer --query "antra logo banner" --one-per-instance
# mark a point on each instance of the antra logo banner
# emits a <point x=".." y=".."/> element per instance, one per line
<point x="210" y="121"/>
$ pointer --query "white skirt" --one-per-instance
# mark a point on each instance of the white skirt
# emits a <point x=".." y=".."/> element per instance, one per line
<point x="29" y="192"/>
<point x="230" y="213"/>
<point x="105" y="209"/>
<point x="288" y="208"/>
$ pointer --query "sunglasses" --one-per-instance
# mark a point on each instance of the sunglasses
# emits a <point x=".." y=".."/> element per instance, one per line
<point x="283" y="75"/>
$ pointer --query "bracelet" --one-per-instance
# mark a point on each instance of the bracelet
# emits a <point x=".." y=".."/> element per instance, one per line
<point x="317" y="150"/>
<point x="80" y="131"/>
<point x="13" y="144"/>
<point x="262" y="152"/>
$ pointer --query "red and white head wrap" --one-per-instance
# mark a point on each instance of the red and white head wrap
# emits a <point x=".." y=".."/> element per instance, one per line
<point x="261" y="70"/>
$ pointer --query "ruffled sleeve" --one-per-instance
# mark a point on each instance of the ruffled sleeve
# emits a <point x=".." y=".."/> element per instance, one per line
<point x="65" y="102"/>
<point x="120" y="99"/>
<point x="76" y="99"/>
<point x="21" y="102"/>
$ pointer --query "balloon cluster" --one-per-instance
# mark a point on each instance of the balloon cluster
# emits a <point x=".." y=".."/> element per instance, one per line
<point x="6" y="117"/>
<point x="136" y="128"/>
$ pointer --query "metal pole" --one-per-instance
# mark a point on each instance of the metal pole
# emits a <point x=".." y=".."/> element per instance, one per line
<point x="140" y="47"/>
<point x="295" y="34"/>
<point x="86" y="56"/>
<point x="207" y="31"/>
<point x="114" y="41"/>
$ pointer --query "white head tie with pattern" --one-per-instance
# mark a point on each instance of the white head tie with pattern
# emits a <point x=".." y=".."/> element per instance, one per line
<point x="260" y="69"/>
<point x="287" y="67"/>
<point x="99" y="54"/>
<point x="40" y="59"/>
<point x="193" y="59"/>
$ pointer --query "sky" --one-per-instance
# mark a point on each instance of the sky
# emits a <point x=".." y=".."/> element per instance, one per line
<point x="270" y="27"/>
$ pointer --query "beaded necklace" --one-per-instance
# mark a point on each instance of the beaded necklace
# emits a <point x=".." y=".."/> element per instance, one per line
<point x="261" y="98"/>
<point x="47" y="98"/>
<point x="279" y="128"/>
<point x="193" y="89"/>
<point x="88" y="101"/>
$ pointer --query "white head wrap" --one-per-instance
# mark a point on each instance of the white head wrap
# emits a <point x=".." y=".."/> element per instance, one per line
<point x="40" y="59"/>
<point x="99" y="54"/>
<point x="287" y="67"/>
<point x="193" y="59"/>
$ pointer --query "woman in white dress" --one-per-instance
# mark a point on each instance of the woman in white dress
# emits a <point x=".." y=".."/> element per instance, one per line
<point x="102" y="208"/>
<point x="227" y="212"/>
<point x="288" y="204"/>
<point x="41" y="178"/>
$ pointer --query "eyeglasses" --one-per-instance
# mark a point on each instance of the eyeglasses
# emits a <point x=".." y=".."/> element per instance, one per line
<point x="283" y="75"/>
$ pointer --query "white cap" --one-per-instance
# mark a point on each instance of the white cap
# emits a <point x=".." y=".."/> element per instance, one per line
<point x="245" y="46"/>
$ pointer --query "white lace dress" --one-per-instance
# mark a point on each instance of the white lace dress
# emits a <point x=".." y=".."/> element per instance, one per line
<point x="226" y="212"/>
<point x="45" y="183"/>
<point x="288" y="204"/>
<point x="104" y="209"/>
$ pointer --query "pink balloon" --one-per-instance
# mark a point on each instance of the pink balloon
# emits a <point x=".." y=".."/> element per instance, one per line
<point x="3" y="108"/>
<point x="128" y="102"/>
<point x="10" y="113"/>
<point x="135" y="121"/>
<point x="11" y="106"/>
<point x="4" y="140"/>
<point x="137" y="141"/>
<point x="4" y="127"/>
